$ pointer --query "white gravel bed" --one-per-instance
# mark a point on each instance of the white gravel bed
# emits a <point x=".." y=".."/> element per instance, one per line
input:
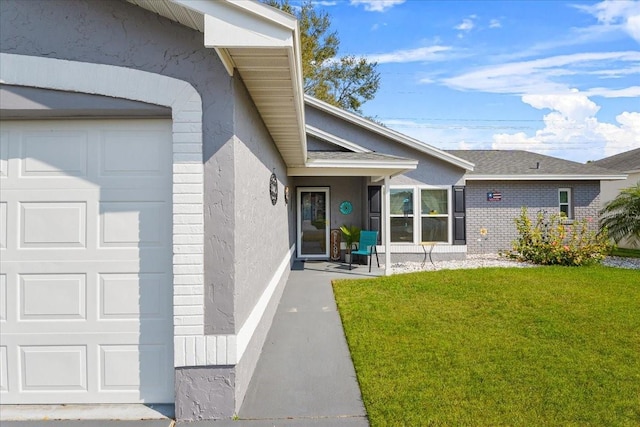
<point x="622" y="262"/>
<point x="493" y="260"/>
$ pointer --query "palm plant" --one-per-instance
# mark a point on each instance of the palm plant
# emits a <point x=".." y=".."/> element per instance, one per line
<point x="621" y="216"/>
<point x="351" y="235"/>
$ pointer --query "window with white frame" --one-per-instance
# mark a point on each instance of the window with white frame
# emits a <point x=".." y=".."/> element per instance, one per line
<point x="434" y="215"/>
<point x="401" y="213"/>
<point x="420" y="214"/>
<point x="564" y="203"/>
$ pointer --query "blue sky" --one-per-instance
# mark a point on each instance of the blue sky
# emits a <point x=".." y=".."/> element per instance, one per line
<point x="557" y="77"/>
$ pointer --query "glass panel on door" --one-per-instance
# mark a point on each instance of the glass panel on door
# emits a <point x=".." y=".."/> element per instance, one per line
<point x="313" y="223"/>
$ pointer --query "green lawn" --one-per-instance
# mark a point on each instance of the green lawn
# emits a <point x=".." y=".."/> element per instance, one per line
<point x="556" y="346"/>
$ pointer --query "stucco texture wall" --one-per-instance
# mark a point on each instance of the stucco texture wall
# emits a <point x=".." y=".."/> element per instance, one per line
<point x="498" y="217"/>
<point x="348" y="188"/>
<point x="245" y="237"/>
<point x="430" y="170"/>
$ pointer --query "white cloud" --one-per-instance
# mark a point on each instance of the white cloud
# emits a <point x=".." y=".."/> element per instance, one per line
<point x="325" y="2"/>
<point x="573" y="105"/>
<point x="619" y="14"/>
<point x="376" y="5"/>
<point x="421" y="54"/>
<point x="494" y="23"/>
<point x="539" y="75"/>
<point x="466" y="25"/>
<point x="628" y="92"/>
<point x="571" y="129"/>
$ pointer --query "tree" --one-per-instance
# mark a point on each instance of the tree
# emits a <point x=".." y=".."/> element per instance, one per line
<point x="346" y="82"/>
<point x="621" y="216"/>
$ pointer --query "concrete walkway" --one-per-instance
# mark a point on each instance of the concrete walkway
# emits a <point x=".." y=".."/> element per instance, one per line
<point x="305" y="376"/>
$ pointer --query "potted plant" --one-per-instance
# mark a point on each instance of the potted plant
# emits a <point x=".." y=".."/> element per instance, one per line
<point x="351" y="235"/>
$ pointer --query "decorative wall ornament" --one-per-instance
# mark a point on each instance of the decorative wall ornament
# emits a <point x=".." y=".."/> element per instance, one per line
<point x="346" y="207"/>
<point x="286" y="195"/>
<point x="273" y="189"/>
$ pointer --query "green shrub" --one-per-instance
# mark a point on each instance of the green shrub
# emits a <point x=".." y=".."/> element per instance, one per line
<point x="552" y="240"/>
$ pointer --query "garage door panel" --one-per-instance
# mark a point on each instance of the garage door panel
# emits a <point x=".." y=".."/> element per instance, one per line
<point x="59" y="368"/>
<point x="132" y="224"/>
<point x="51" y="297"/>
<point x="4" y="370"/>
<point x="53" y="225"/>
<point x="3" y="298"/>
<point x="54" y="154"/>
<point x="86" y="262"/>
<point x="132" y="296"/>
<point x="129" y="367"/>
<point x="3" y="225"/>
<point x="132" y="153"/>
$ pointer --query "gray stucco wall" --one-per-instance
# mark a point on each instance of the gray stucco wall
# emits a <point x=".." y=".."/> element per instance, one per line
<point x="498" y="217"/>
<point x="245" y="237"/>
<point x="341" y="189"/>
<point x="315" y="144"/>
<point x="430" y="171"/>
<point x="262" y="234"/>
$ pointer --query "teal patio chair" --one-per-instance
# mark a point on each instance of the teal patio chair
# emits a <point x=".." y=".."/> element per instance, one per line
<point x="367" y="247"/>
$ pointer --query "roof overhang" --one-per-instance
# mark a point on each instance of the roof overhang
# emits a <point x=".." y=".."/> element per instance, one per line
<point x="544" y="177"/>
<point x="388" y="133"/>
<point x="262" y="44"/>
<point x="377" y="169"/>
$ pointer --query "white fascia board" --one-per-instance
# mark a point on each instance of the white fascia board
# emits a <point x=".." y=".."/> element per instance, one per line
<point x="353" y="168"/>
<point x="295" y="59"/>
<point x="350" y="164"/>
<point x="232" y="27"/>
<point x="249" y="7"/>
<point x="326" y="136"/>
<point x="322" y="171"/>
<point x="543" y="177"/>
<point x="389" y="133"/>
<point x="249" y="24"/>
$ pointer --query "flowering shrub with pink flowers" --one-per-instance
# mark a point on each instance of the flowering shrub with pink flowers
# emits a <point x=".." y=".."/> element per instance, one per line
<point x="552" y="240"/>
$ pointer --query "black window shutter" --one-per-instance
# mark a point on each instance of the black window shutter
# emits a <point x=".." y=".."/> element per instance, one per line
<point x="459" y="214"/>
<point x="374" y="211"/>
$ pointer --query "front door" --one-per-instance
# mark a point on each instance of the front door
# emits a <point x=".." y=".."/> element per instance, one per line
<point x="313" y="222"/>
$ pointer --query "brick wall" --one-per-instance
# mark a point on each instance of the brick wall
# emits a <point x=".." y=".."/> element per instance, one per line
<point x="498" y="217"/>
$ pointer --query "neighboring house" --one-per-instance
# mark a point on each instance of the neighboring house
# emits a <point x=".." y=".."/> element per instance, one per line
<point x="502" y="182"/>
<point x="160" y="169"/>
<point x="628" y="163"/>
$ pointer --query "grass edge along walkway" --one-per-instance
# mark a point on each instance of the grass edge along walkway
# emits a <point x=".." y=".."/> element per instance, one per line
<point x="495" y="346"/>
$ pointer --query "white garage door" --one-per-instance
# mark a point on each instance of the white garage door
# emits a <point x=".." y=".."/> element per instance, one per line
<point x="85" y="257"/>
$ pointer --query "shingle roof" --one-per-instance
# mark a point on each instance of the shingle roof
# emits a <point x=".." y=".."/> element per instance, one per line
<point x="505" y="163"/>
<point x="624" y="162"/>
